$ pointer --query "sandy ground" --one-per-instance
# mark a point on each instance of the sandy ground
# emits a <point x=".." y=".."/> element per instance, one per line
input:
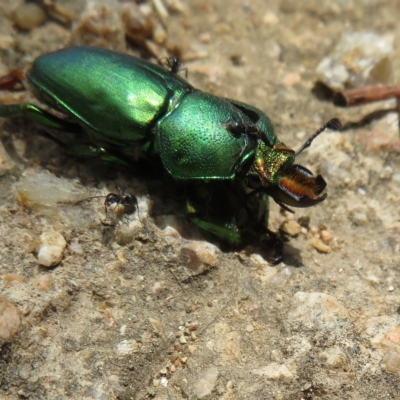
<point x="137" y="310"/>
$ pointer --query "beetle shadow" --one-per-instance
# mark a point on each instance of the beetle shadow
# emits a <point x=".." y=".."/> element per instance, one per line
<point x="368" y="118"/>
<point x="291" y="255"/>
<point x="167" y="194"/>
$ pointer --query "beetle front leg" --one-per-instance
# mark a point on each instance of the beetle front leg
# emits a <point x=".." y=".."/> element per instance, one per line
<point x="43" y="117"/>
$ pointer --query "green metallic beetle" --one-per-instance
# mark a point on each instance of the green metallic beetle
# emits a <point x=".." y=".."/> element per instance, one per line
<point x="225" y="150"/>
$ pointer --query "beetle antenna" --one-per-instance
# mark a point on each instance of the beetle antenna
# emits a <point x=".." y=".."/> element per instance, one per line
<point x="334" y="124"/>
<point x="87" y="199"/>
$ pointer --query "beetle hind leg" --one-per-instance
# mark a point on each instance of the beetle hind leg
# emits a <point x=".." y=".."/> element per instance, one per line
<point x="48" y="120"/>
<point x="43" y="117"/>
<point x="224" y="231"/>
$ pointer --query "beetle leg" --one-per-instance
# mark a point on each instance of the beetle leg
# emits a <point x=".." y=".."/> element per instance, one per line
<point x="274" y="240"/>
<point x="43" y="117"/>
<point x="227" y="232"/>
<point x="197" y="210"/>
<point x="86" y="151"/>
<point x="50" y="121"/>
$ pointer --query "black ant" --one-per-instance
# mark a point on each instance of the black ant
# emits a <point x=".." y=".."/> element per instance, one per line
<point x="118" y="203"/>
<point x="173" y="64"/>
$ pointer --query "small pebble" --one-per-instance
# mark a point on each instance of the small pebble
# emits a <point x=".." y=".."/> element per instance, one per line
<point x="315" y="310"/>
<point x="10" y="278"/>
<point x="359" y="218"/>
<point x="24" y="372"/>
<point x="327" y="236"/>
<point x="275" y="371"/>
<point x="76" y="247"/>
<point x="199" y="256"/>
<point x="10" y="320"/>
<point x="127" y="347"/>
<point x="28" y="16"/>
<point x="44" y="282"/>
<point x="192" y="326"/>
<point x="384" y="332"/>
<point x="182" y="340"/>
<point x="192" y="349"/>
<point x="334" y="358"/>
<point x="7" y="42"/>
<point x="160" y="34"/>
<point x="387" y="172"/>
<point x="319" y="245"/>
<point x="50" y="248"/>
<point x="124" y="235"/>
<point x="164" y="381"/>
<point x="171" y="232"/>
<point x="293" y="228"/>
<point x="359" y="58"/>
<point x="376" y="140"/>
<point x="250" y="328"/>
<point x="205" y="382"/>
<point x="391" y="361"/>
<point x="291" y="79"/>
<point x="157" y="325"/>
<point x="99" y="25"/>
<point x="281" y="279"/>
<point x="156" y="382"/>
<point x="157" y="287"/>
<point x="164" y="371"/>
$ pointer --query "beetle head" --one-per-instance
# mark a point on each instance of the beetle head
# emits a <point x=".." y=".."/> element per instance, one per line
<point x="274" y="173"/>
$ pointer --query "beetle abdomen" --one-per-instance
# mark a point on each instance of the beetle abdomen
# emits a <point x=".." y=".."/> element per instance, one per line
<point x="115" y="97"/>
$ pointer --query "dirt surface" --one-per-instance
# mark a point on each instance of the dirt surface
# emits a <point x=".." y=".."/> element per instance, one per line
<point x="136" y="310"/>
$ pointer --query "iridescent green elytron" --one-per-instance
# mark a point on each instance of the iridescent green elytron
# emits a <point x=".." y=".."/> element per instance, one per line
<point x="226" y="150"/>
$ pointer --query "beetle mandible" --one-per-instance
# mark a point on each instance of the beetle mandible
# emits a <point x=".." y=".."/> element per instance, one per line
<point x="224" y="149"/>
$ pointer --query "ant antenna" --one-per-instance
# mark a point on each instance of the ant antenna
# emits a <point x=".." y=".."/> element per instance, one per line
<point x="334" y="124"/>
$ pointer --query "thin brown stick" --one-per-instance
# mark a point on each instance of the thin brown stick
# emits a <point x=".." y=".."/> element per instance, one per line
<point x="366" y="94"/>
